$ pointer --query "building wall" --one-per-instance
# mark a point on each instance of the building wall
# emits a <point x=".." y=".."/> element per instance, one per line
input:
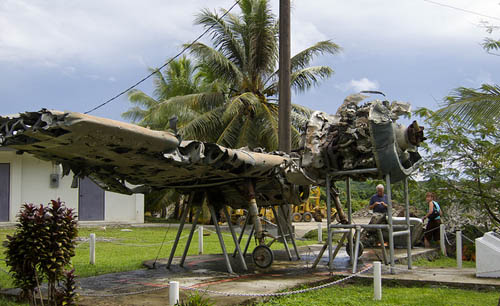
<point x="30" y="183"/>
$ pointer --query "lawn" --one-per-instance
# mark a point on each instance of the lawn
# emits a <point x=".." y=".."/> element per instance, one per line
<point x="118" y="250"/>
<point x="443" y="262"/>
<point x="361" y="295"/>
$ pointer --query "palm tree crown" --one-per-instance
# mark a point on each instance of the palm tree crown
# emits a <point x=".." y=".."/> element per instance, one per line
<point x="236" y="105"/>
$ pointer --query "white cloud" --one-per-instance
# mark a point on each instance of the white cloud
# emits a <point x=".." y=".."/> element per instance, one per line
<point x="358" y="85"/>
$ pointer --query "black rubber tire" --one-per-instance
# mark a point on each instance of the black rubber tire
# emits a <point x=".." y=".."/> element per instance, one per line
<point x="262" y="256"/>
<point x="296" y="217"/>
<point x="307" y="217"/>
<point x="361" y="249"/>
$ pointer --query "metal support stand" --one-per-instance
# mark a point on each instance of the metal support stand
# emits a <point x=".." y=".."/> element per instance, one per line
<point x="188" y="242"/>
<point x="235" y="239"/>
<point x="337" y="249"/>
<point x="181" y="227"/>
<point x="241" y="234"/>
<point x="356" y="250"/>
<point x="349" y="216"/>
<point x="382" y="246"/>
<point x="221" y="239"/>
<point x="290" y="233"/>
<point x="248" y="241"/>
<point x="389" y="220"/>
<point x="328" y="221"/>
<point x="282" y="234"/>
<point x="407" y="208"/>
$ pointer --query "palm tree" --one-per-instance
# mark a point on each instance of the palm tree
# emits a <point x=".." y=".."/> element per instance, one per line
<point x="180" y="78"/>
<point x="240" y="107"/>
<point x="473" y="105"/>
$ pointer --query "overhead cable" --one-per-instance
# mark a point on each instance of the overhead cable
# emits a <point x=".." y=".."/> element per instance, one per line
<point x="461" y="9"/>
<point x="164" y="65"/>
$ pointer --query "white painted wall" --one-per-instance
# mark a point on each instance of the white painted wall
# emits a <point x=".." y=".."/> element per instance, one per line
<point x="30" y="183"/>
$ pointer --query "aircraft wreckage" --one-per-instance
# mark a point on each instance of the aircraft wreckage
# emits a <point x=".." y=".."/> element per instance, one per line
<point x="119" y="155"/>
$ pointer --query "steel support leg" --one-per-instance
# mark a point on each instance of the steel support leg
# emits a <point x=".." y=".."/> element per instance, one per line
<point x="235" y="239"/>
<point x="221" y="239"/>
<point x="349" y="217"/>
<point x="282" y="234"/>
<point x="290" y="232"/>
<point x="181" y="227"/>
<point x="323" y="249"/>
<point x="328" y="220"/>
<point x="389" y="217"/>
<point x="356" y="249"/>
<point x="407" y="206"/>
<point x="382" y="246"/>
<point x="249" y="240"/>
<point x="241" y="234"/>
<point x="188" y="242"/>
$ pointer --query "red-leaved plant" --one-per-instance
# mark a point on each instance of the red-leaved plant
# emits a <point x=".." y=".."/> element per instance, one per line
<point x="41" y="248"/>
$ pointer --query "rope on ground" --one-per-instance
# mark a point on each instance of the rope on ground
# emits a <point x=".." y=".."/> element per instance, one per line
<point x="279" y="293"/>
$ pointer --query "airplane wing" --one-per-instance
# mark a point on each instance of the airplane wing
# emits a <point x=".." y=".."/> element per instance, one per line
<point x="116" y="154"/>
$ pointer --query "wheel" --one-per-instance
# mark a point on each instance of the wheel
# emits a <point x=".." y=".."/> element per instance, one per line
<point x="296" y="217"/>
<point x="307" y="217"/>
<point x="360" y="252"/>
<point x="241" y="221"/>
<point x="262" y="256"/>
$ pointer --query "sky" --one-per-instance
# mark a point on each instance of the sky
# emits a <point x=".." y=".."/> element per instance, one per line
<point x="75" y="54"/>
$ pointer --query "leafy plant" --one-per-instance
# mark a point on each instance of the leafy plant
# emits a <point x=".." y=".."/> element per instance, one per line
<point x="41" y="248"/>
<point x="196" y="300"/>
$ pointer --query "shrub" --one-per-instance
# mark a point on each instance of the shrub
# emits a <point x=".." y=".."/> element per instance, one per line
<point x="41" y="248"/>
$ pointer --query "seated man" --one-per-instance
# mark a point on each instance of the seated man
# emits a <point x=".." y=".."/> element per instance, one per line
<point x="379" y="201"/>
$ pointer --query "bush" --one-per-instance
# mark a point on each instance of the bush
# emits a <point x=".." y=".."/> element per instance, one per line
<point x="41" y="248"/>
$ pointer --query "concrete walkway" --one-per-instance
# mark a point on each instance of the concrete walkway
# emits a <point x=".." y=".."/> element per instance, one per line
<point x="150" y="286"/>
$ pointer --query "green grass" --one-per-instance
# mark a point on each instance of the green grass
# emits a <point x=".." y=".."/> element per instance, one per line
<point x="8" y="302"/>
<point x="443" y="262"/>
<point x="127" y="250"/>
<point x="360" y="295"/>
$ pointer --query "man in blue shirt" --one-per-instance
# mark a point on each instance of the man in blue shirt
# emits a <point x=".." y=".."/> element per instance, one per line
<point x="379" y="201"/>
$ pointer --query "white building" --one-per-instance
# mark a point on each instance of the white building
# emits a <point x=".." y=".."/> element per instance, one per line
<point x="26" y="179"/>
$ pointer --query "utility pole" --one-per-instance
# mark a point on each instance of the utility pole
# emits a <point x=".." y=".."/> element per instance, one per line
<point x="285" y="105"/>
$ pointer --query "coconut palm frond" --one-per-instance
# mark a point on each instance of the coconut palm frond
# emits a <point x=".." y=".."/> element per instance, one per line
<point x="223" y="37"/>
<point x="491" y="44"/>
<point x="231" y="132"/>
<point x="217" y="62"/>
<point x="473" y="105"/>
<point x="134" y="114"/>
<point x="205" y="127"/>
<point x="141" y="99"/>
<point x="263" y="40"/>
<point x="303" y="59"/>
<point x="306" y="78"/>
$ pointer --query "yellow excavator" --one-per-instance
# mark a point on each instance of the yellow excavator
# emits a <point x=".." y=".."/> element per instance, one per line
<point x="311" y="209"/>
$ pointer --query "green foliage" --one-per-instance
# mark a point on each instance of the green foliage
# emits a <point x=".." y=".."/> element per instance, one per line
<point x="41" y="247"/>
<point x="473" y="106"/>
<point x="442" y="262"/>
<point x="463" y="163"/>
<point x="231" y="97"/>
<point x="196" y="299"/>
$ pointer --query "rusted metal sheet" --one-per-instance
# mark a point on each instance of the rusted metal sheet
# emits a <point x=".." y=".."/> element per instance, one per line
<point x="114" y="153"/>
<point x="360" y="137"/>
<point x="117" y="155"/>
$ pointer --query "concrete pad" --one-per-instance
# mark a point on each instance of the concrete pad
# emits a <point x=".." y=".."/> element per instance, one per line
<point x="208" y="272"/>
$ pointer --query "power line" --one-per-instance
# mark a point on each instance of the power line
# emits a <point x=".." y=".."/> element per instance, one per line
<point x="461" y="9"/>
<point x="164" y="65"/>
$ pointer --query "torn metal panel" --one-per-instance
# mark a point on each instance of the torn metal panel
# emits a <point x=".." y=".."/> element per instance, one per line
<point x="361" y="136"/>
<point x="114" y="153"/>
